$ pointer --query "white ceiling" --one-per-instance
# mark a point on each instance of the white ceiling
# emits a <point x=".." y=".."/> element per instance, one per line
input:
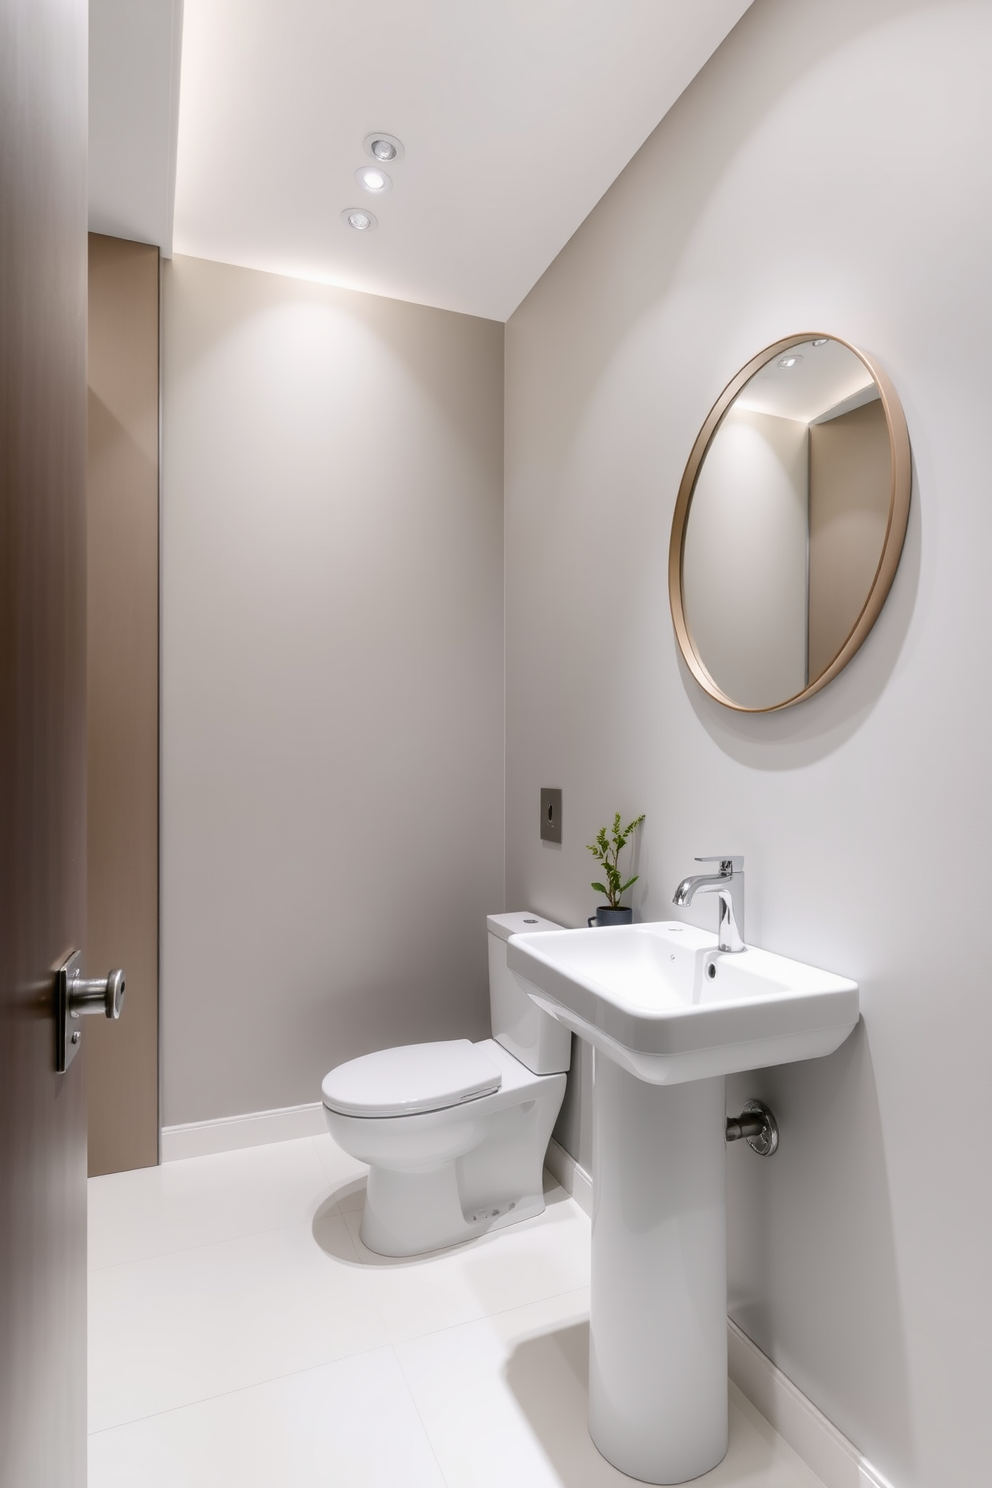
<point x="515" y="117"/>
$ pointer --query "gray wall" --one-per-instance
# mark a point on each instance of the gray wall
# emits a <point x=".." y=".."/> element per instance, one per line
<point x="332" y="747"/>
<point x="827" y="170"/>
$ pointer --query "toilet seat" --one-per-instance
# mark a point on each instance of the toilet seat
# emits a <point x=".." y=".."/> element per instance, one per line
<point x="411" y="1079"/>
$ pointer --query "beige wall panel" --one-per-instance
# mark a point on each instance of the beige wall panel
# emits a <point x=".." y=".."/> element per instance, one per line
<point x="850" y="479"/>
<point x="122" y="681"/>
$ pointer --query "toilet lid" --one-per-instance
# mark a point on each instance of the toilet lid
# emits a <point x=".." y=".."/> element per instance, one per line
<point x="415" y="1077"/>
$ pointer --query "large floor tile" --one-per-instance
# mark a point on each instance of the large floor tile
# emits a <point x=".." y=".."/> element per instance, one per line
<point x="346" y="1425"/>
<point x="151" y="1211"/>
<point x="484" y="1434"/>
<point x="194" y="1323"/>
<point x="504" y="1401"/>
<point x="523" y="1263"/>
<point x="242" y="1335"/>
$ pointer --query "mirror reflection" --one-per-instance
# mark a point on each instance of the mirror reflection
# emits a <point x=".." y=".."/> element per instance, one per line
<point x="785" y="525"/>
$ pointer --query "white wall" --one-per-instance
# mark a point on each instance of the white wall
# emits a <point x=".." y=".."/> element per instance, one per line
<point x="828" y="170"/>
<point x="332" y="750"/>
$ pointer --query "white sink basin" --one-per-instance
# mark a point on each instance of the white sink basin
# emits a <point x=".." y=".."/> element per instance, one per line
<point x="666" y="1004"/>
<point x="669" y="1015"/>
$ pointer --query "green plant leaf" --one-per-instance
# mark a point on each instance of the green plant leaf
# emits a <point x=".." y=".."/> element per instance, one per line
<point x="606" y="850"/>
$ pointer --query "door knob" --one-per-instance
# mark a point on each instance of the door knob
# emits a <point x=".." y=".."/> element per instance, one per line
<point x="104" y="995"/>
<point x="76" y="996"/>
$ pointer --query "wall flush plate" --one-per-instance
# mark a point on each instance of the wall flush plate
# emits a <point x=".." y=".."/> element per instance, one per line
<point x="550" y="814"/>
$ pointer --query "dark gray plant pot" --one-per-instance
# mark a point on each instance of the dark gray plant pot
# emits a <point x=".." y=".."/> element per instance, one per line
<point x="607" y="916"/>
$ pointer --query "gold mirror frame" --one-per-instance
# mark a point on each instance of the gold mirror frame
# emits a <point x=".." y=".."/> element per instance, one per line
<point x="895" y="530"/>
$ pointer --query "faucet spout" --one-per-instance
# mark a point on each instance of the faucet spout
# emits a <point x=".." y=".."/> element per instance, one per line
<point x="728" y="885"/>
<point x="698" y="883"/>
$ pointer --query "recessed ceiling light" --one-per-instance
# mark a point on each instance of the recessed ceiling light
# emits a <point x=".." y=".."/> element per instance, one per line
<point x="359" y="219"/>
<point x="373" y="179"/>
<point x="789" y="361"/>
<point x="383" y="147"/>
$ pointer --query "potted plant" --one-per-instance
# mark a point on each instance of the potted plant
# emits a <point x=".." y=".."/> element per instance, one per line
<point x="606" y="850"/>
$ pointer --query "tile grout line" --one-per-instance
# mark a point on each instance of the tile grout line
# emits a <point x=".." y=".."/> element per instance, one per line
<point x="399" y="1363"/>
<point x="315" y="1141"/>
<point x="481" y="1317"/>
<point x="423" y="1424"/>
<point x="269" y="1378"/>
<point x="172" y="1410"/>
<point x="159" y="1255"/>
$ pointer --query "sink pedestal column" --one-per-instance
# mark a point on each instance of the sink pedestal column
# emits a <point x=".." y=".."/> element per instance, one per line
<point x="658" y="1329"/>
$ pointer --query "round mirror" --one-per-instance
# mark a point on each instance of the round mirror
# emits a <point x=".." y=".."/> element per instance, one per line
<point x="789" y="523"/>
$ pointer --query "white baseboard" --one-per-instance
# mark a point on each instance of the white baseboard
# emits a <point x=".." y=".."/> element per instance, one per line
<point x="228" y="1133"/>
<point x="573" y="1179"/>
<point x="824" y="1449"/>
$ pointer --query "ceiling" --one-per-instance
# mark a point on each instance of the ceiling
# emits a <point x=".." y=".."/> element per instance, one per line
<point x="515" y="118"/>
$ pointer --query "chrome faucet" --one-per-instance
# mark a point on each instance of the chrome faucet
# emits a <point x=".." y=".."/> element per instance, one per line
<point x="729" y="885"/>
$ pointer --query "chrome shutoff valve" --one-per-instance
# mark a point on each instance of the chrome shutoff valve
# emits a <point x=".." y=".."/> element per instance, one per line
<point x="757" y="1126"/>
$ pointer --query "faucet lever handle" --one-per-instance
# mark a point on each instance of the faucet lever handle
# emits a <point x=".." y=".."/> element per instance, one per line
<point x="729" y="862"/>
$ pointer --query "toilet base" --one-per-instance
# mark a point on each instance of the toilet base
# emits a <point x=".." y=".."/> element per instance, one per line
<point x="408" y="1214"/>
<point x="491" y="1175"/>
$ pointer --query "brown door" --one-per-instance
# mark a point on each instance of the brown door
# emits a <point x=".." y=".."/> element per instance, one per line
<point x="42" y="735"/>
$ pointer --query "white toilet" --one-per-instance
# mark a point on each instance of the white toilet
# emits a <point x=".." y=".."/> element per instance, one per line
<point x="455" y="1133"/>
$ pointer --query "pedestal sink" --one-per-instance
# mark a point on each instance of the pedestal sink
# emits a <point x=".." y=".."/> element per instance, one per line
<point x="669" y="1015"/>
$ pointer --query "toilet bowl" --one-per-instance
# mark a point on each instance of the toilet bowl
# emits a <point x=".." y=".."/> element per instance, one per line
<point x="455" y="1133"/>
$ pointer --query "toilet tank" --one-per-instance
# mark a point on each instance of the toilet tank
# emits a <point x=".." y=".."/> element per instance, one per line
<point x="535" y="1038"/>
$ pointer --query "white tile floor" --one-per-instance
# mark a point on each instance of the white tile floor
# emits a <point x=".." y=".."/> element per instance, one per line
<point x="241" y="1336"/>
